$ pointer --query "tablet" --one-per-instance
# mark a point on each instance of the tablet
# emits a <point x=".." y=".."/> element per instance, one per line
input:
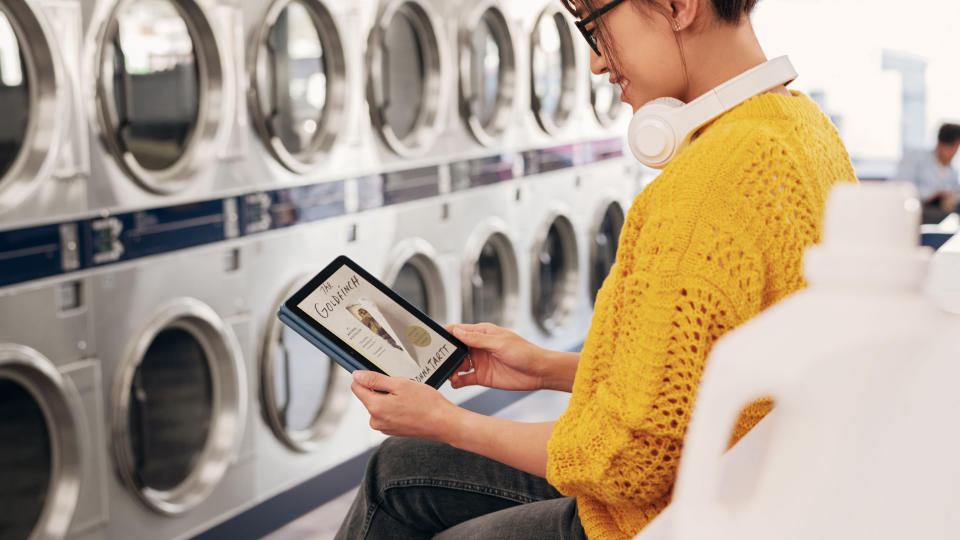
<point x="362" y="324"/>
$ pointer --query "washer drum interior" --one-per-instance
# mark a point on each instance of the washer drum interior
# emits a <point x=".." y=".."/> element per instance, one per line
<point x="555" y="274"/>
<point x="179" y="406"/>
<point x="604" y="241"/>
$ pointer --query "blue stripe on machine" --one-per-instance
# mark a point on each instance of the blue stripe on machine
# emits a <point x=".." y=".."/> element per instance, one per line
<point x="549" y="159"/>
<point x="485" y="171"/>
<point x="129" y="236"/>
<point x="287" y="207"/>
<point x="45" y="251"/>
<point x="27" y="254"/>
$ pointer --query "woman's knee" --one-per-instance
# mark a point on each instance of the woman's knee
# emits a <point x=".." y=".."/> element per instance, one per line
<point x="396" y="459"/>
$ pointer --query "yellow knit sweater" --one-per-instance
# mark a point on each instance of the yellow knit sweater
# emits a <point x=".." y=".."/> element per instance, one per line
<point x="715" y="239"/>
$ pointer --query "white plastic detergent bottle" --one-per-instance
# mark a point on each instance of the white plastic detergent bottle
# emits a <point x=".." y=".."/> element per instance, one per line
<point x="864" y="370"/>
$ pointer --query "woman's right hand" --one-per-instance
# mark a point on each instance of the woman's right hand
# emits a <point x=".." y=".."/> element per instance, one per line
<point x="498" y="358"/>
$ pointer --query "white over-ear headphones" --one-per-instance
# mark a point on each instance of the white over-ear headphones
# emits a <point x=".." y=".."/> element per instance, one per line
<point x="662" y="128"/>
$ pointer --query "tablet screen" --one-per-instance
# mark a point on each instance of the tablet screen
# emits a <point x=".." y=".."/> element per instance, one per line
<point x="384" y="332"/>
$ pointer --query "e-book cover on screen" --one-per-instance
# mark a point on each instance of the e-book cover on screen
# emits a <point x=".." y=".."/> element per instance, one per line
<point x="377" y="327"/>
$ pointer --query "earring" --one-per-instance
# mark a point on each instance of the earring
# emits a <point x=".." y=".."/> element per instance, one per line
<point x="676" y="25"/>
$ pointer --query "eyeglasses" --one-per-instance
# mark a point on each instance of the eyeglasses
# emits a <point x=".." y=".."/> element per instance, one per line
<point x="590" y="18"/>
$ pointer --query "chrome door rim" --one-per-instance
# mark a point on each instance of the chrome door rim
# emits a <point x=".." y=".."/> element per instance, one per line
<point x="228" y="415"/>
<point x="566" y="104"/>
<point x="200" y="148"/>
<point x="419" y="253"/>
<point x="507" y="90"/>
<point x="552" y="322"/>
<point x="44" y="72"/>
<point x="336" y="399"/>
<point x="495" y="231"/>
<point x="334" y="111"/>
<point x="60" y="404"/>
<point x="428" y="128"/>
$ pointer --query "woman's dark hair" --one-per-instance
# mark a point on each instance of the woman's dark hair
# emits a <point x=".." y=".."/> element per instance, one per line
<point x="728" y="11"/>
<point x="732" y="10"/>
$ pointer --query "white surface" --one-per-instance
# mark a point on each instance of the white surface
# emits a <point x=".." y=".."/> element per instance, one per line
<point x="862" y="373"/>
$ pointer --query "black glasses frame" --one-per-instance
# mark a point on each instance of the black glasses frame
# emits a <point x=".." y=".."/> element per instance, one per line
<point x="590" y="18"/>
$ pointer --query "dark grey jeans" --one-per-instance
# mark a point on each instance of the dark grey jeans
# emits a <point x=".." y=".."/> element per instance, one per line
<point x="423" y="489"/>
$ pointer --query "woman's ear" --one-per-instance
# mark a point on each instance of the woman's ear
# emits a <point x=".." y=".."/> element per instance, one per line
<point x="684" y="13"/>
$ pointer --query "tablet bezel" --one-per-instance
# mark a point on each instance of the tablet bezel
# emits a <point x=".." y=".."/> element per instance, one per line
<point x="292" y="304"/>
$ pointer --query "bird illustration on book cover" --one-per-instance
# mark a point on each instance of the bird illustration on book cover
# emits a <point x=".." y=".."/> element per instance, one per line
<point x="364" y="312"/>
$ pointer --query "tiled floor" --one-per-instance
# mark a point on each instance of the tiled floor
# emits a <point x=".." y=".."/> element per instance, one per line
<point x="322" y="523"/>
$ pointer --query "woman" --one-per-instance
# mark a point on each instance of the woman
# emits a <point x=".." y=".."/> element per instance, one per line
<point x="715" y="239"/>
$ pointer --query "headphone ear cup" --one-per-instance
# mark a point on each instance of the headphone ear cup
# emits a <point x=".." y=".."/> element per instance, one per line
<point x="652" y="136"/>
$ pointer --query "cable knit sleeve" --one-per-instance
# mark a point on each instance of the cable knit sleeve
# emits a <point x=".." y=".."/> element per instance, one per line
<point x="650" y="354"/>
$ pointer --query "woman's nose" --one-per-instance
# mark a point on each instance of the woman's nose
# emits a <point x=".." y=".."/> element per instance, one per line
<point x="598" y="65"/>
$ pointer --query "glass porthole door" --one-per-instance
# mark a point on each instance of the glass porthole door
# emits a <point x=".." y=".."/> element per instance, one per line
<point x="555" y="274"/>
<point x="298" y="83"/>
<point x="553" y="71"/>
<point x="487" y="74"/>
<point x="405" y="86"/>
<point x="159" y="91"/>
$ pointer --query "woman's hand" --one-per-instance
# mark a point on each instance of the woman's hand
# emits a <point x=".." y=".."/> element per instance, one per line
<point x="404" y="408"/>
<point x="501" y="359"/>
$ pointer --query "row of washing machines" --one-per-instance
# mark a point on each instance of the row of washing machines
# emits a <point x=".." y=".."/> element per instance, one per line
<point x="153" y="397"/>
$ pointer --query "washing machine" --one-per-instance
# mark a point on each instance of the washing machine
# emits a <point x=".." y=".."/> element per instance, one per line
<point x="305" y="93"/>
<point x="52" y="451"/>
<point x="410" y="81"/>
<point x="308" y="421"/>
<point x="173" y="333"/>
<point x="43" y="140"/>
<point x="162" y="94"/>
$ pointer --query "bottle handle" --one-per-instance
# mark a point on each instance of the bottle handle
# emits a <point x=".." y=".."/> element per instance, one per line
<point x="715" y="414"/>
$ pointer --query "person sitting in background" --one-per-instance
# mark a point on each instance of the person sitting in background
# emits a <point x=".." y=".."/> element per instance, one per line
<point x="935" y="178"/>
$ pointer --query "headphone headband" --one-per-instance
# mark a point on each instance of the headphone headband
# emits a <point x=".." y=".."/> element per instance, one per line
<point x="662" y="128"/>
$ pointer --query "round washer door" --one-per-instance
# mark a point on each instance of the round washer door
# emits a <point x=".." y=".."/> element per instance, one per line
<point x="555" y="274"/>
<point x="416" y="277"/>
<point x="159" y="91"/>
<point x="179" y="407"/>
<point x="604" y="243"/>
<point x="29" y="103"/>
<point x="487" y="74"/>
<point x="405" y="86"/>
<point x="304" y="392"/>
<point x="553" y="71"/>
<point x="490" y="280"/>
<point x="39" y="446"/>
<point x="298" y="83"/>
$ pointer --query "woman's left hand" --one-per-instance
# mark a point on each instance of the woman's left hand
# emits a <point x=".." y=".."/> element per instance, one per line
<point x="407" y="409"/>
